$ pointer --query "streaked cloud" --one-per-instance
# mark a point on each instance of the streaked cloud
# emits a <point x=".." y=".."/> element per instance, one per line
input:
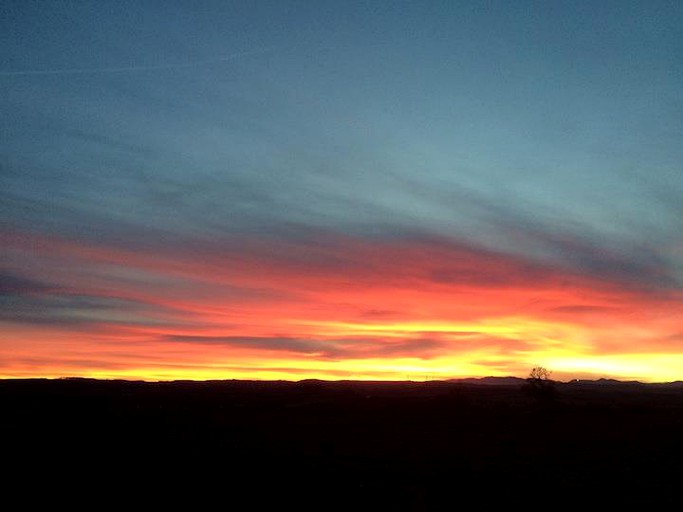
<point x="332" y="191"/>
<point x="331" y="298"/>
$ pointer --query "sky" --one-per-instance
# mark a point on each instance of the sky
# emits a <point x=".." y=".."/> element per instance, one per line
<point x="380" y="190"/>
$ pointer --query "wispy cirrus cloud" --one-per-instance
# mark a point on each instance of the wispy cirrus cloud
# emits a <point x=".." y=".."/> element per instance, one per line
<point x="328" y="299"/>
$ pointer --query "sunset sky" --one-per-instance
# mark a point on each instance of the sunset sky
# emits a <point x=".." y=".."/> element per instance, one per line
<point x="341" y="190"/>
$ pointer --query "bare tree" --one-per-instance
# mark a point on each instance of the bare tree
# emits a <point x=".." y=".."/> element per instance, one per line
<point x="539" y="373"/>
<point x="540" y="386"/>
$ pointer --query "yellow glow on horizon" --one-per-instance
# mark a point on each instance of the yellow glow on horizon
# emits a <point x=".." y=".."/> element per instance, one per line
<point x="642" y="367"/>
<point x="503" y="346"/>
<point x="560" y="346"/>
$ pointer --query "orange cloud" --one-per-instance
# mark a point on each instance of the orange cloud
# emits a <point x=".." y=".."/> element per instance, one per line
<point x="333" y="307"/>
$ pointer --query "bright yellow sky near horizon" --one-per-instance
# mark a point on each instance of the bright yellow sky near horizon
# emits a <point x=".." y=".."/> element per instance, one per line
<point x="260" y="318"/>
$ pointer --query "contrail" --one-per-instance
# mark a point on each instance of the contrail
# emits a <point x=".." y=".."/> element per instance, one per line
<point x="124" y="69"/>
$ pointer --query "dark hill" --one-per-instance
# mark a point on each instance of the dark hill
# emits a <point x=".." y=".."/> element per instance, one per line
<point x="253" y="445"/>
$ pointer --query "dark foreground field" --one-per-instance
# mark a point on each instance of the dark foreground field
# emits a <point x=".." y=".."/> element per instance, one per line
<point x="237" y="445"/>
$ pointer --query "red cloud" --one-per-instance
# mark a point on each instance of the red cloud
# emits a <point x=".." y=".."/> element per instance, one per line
<point x="333" y="297"/>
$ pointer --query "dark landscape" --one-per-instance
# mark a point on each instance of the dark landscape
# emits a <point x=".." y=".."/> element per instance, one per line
<point x="254" y="445"/>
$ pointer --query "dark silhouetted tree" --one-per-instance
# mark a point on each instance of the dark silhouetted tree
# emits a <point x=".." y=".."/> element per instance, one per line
<point x="540" y="386"/>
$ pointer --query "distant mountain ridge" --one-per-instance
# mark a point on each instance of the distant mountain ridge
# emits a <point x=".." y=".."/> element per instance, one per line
<point x="516" y="381"/>
<point x="508" y="381"/>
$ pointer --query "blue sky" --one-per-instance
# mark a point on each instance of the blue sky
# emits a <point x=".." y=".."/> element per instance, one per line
<point x="547" y="131"/>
